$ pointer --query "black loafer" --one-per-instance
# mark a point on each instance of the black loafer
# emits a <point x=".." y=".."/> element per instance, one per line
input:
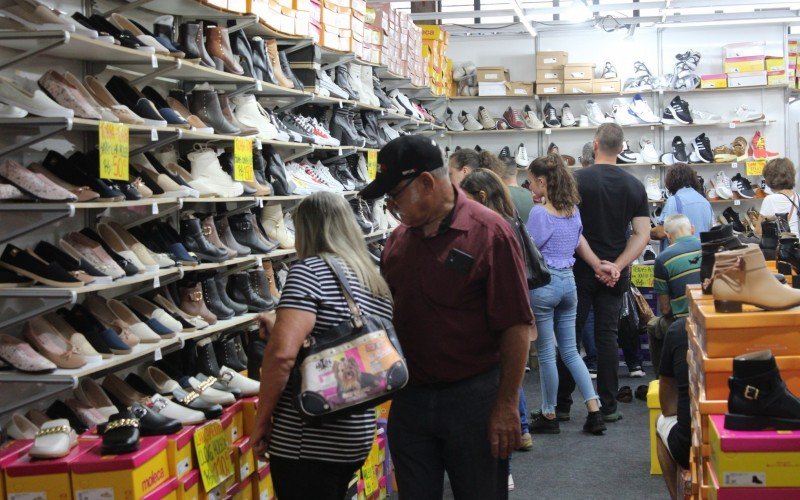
<point x="121" y="434"/>
<point x="51" y="274"/>
<point x="153" y="424"/>
<point x="60" y="410"/>
<point x="625" y="394"/>
<point x="52" y="253"/>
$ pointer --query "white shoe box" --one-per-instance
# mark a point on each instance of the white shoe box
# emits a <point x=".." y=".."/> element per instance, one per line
<point x="752" y="79"/>
<point x="486" y="89"/>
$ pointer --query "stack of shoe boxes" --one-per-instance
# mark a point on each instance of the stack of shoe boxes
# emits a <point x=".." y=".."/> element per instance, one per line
<point x="578" y="78"/>
<point x="556" y="75"/>
<point x="492" y="80"/>
<point x="550" y="72"/>
<point x="278" y="14"/>
<point x="434" y="46"/>
<point x="714" y="340"/>
<point x="744" y="64"/>
<point x="335" y="23"/>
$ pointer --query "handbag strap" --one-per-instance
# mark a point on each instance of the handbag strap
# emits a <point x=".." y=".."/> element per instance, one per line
<point x="794" y="207"/>
<point x="344" y="285"/>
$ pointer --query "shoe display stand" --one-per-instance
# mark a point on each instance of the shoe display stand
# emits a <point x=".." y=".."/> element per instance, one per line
<point x="30" y="219"/>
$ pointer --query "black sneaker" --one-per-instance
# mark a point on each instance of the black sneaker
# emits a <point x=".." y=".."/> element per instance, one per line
<point x="677" y="112"/>
<point x="504" y="153"/>
<point x="733" y="219"/>
<point x="679" y="150"/>
<point x="561" y="415"/>
<point x="551" y="117"/>
<point x="594" y="424"/>
<point x="542" y="425"/>
<point x="702" y="150"/>
<point x="742" y="186"/>
<point x="626" y="155"/>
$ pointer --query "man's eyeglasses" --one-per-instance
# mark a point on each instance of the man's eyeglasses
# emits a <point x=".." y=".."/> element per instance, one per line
<point x="393" y="196"/>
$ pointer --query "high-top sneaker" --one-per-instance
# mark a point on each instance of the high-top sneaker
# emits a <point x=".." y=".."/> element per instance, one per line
<point x="343" y="81"/>
<point x="381" y="94"/>
<point x="361" y="209"/>
<point x="742" y="277"/>
<point x="354" y="76"/>
<point x="521" y="158"/>
<point x="713" y="241"/>
<point x="208" y="175"/>
<point x="370" y="122"/>
<point x="758" y="148"/>
<point x="788" y="255"/>
<point x="758" y="396"/>
<point x="367" y="85"/>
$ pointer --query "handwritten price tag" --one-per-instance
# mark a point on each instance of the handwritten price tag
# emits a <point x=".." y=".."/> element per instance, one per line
<point x="243" y="159"/>
<point x="213" y="454"/>
<point x="372" y="164"/>
<point x="114" y="148"/>
<point x="755" y="167"/>
<point x="642" y="276"/>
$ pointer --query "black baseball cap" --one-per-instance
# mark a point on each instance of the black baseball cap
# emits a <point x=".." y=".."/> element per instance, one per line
<point x="403" y="158"/>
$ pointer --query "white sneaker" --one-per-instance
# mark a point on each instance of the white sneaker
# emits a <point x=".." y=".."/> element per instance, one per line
<point x="326" y="83"/>
<point x="653" y="188"/>
<point x="325" y="174"/>
<point x="250" y="113"/>
<point x="700" y="117"/>
<point x="648" y="151"/>
<point x="622" y="116"/>
<point x="745" y="114"/>
<point x="521" y="158"/>
<point x="469" y="122"/>
<point x="628" y="156"/>
<point x="583" y="121"/>
<point x="452" y="123"/>
<point x="595" y="114"/>
<point x="567" y="118"/>
<point x="531" y="118"/>
<point x="486" y="120"/>
<point x="208" y="175"/>
<point x="642" y="110"/>
<point x="510" y="482"/>
<point x="722" y="185"/>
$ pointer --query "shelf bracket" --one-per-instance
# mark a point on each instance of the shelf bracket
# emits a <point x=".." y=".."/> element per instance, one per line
<point x="17" y="219"/>
<point x="342" y="60"/>
<point x="161" y="71"/>
<point x="52" y="39"/>
<point x="37" y="300"/>
<point x="147" y="218"/>
<point x="140" y="287"/>
<point x="238" y="268"/>
<point x="167" y="138"/>
<point x="296" y="104"/>
<point x="47" y="128"/>
<point x="246" y="22"/>
<point x="300" y="45"/>
<point x="242" y="89"/>
<point x="298" y="154"/>
<point x="344" y="154"/>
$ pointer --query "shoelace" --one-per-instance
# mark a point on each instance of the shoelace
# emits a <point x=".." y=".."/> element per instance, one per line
<point x="516" y="116"/>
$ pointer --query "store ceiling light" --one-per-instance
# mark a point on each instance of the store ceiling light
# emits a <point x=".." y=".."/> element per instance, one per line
<point x="577" y="12"/>
<point x="525" y="20"/>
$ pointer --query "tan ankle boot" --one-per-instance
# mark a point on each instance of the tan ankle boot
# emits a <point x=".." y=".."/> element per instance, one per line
<point x="272" y="53"/>
<point x="741" y="277"/>
<point x="192" y="303"/>
<point x="218" y="45"/>
<point x="270" y="273"/>
<point x="272" y="220"/>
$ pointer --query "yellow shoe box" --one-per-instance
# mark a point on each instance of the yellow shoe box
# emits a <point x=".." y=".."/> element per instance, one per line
<point x="180" y="452"/>
<point x="249" y="407"/>
<point x="743" y="64"/>
<point x="189" y="488"/>
<point x="35" y="478"/>
<point x="748" y="459"/>
<point x="242" y="490"/>
<point x="263" y="490"/>
<point x="167" y="491"/>
<point x="131" y="475"/>
<point x="244" y="462"/>
<point x="654" y="407"/>
<point x="232" y="421"/>
<point x="9" y="453"/>
<point x="715" y="81"/>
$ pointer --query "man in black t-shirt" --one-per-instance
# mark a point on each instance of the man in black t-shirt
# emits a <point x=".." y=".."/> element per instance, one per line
<point x="674" y="425"/>
<point x="611" y="201"/>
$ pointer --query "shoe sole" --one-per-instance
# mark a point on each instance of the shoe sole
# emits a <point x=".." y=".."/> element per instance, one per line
<point x="545" y="431"/>
<point x="740" y="422"/>
<point x="610" y="419"/>
<point x="39" y="279"/>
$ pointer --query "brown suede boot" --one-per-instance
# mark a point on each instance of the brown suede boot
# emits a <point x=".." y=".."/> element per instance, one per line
<point x="270" y="273"/>
<point x="741" y="277"/>
<point x="272" y="53"/>
<point x="211" y="234"/>
<point x="192" y="303"/>
<point x="218" y="45"/>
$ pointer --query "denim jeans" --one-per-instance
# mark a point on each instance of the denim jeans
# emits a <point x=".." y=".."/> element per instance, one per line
<point x="587" y="336"/>
<point x="555" y="307"/>
<point x="441" y="428"/>
<point x="606" y="303"/>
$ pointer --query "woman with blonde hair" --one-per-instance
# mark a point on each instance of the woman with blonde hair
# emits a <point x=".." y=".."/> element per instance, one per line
<point x="315" y="460"/>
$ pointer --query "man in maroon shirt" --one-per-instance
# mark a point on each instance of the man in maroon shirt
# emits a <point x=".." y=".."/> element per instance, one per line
<point x="462" y="315"/>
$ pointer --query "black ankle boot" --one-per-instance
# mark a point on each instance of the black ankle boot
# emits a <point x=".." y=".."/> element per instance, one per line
<point x="770" y="235"/>
<point x="244" y="232"/>
<point x="206" y="361"/>
<point x="260" y="285"/>
<point x="360" y="209"/>
<point x="227" y="355"/>
<point x="343" y="129"/>
<point x="195" y="241"/>
<point x="716" y="239"/>
<point x="343" y="81"/>
<point x="221" y="282"/>
<point x="213" y="300"/>
<point x="240" y="350"/>
<point x="370" y="120"/>
<point x="239" y="289"/>
<point x="277" y="172"/>
<point x="759" y="398"/>
<point x="788" y="255"/>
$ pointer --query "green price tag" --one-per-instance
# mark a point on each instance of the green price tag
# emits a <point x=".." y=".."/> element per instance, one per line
<point x="372" y="164"/>
<point x="755" y="167"/>
<point x="213" y="454"/>
<point x="114" y="147"/>
<point x="642" y="276"/>
<point x="243" y="159"/>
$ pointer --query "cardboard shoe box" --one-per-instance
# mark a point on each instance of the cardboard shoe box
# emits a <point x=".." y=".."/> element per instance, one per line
<point x="244" y="462"/>
<point x="50" y="479"/>
<point x="606" y="86"/>
<point x="9" y="453"/>
<point x="519" y="88"/>
<point x="131" y="475"/>
<point x="492" y="74"/>
<point x="167" y="491"/>
<point x="549" y="88"/>
<point x="743" y="64"/>
<point x="232" y="421"/>
<point x="550" y="75"/>
<point x="578" y="86"/>
<point x="578" y="71"/>
<point x="264" y="490"/>
<point x="551" y="59"/>
<point x="249" y="408"/>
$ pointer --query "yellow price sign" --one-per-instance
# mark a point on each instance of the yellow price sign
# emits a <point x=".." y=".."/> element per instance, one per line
<point x="642" y="276"/>
<point x="243" y="159"/>
<point x="755" y="167"/>
<point x="114" y="150"/>
<point x="370" y="480"/>
<point x="372" y="164"/>
<point x="213" y="454"/>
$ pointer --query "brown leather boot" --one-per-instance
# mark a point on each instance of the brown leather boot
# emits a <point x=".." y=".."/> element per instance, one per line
<point x="219" y="45"/>
<point x="270" y="273"/>
<point x="192" y="303"/>
<point x="741" y="277"/>
<point x="272" y="52"/>
<point x="210" y="232"/>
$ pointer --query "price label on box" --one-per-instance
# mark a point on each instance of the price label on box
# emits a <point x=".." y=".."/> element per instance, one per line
<point x="755" y="167"/>
<point x="114" y="148"/>
<point x="213" y="454"/>
<point x="642" y="276"/>
<point x="372" y="164"/>
<point x="243" y="159"/>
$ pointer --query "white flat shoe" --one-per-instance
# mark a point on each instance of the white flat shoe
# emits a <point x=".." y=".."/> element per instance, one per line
<point x="236" y="380"/>
<point x="21" y="428"/>
<point x="209" y="394"/>
<point x="90" y="393"/>
<point x="54" y="440"/>
<point x="160" y="380"/>
<point x="184" y="415"/>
